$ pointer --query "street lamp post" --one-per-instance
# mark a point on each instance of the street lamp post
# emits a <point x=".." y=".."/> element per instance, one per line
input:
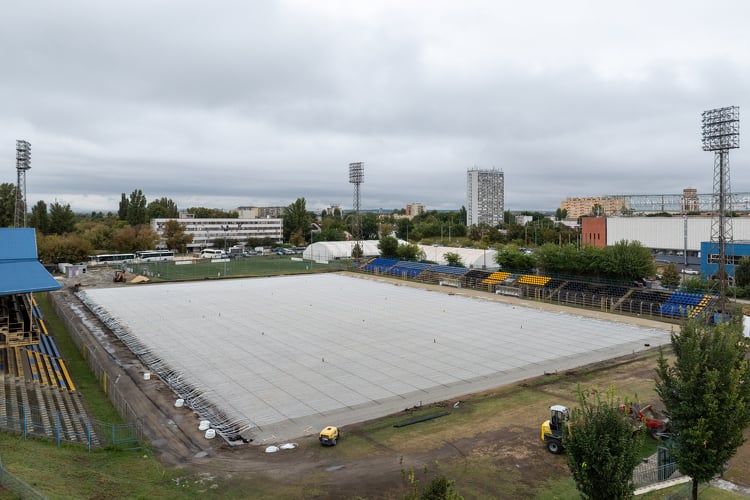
<point x="226" y="229"/>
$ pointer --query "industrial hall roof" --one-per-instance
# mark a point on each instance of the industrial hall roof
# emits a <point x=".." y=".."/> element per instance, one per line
<point x="20" y="269"/>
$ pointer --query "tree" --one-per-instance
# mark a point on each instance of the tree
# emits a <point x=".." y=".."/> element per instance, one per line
<point x="134" y="238"/>
<point x="388" y="246"/>
<point x="163" y="208"/>
<point x="511" y="258"/>
<point x="39" y="218"/>
<point x="122" y="211"/>
<point x="98" y="234"/>
<point x="296" y="218"/>
<point x="175" y="236"/>
<point x="670" y="277"/>
<point x="627" y="260"/>
<point x="63" y="248"/>
<point x="212" y="213"/>
<point x="61" y="218"/>
<point x="409" y="251"/>
<point x="137" y="213"/>
<point x="742" y="272"/>
<point x="453" y="259"/>
<point x="7" y="204"/>
<point x="602" y="448"/>
<point x="707" y="395"/>
<point x="370" y="227"/>
<point x="357" y="251"/>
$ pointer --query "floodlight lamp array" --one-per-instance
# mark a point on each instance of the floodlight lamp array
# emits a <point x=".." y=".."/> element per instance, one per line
<point x="356" y="172"/>
<point x="721" y="128"/>
<point x="23" y="155"/>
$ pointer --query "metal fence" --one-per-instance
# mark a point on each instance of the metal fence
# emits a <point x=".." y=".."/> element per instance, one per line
<point x="658" y="468"/>
<point x="10" y="482"/>
<point x="129" y="434"/>
<point x="81" y="430"/>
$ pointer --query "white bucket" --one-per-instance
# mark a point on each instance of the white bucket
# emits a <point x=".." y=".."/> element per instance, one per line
<point x="147" y="376"/>
<point x="179" y="403"/>
<point x="205" y="424"/>
<point x="210" y="433"/>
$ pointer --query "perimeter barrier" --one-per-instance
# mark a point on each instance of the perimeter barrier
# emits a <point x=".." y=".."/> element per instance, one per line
<point x="10" y="482"/>
<point x="130" y="434"/>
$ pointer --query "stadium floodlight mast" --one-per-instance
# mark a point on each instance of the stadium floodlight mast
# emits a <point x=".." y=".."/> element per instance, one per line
<point x="357" y="177"/>
<point x="23" y="163"/>
<point x="721" y="132"/>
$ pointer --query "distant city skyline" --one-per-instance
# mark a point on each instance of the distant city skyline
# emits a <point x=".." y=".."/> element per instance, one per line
<point x="239" y="103"/>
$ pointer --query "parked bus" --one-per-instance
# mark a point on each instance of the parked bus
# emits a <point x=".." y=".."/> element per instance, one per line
<point x="112" y="258"/>
<point x="155" y="255"/>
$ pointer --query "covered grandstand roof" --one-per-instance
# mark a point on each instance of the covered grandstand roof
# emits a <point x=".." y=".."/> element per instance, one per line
<point x="20" y="269"/>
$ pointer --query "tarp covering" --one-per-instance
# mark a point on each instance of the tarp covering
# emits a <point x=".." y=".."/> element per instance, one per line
<point x="332" y="250"/>
<point x="475" y="258"/>
<point x="20" y="269"/>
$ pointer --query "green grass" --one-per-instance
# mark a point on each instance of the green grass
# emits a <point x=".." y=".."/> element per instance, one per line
<point x="683" y="491"/>
<point x="270" y="265"/>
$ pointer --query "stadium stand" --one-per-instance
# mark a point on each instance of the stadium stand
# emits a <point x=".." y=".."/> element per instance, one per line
<point x="684" y="304"/>
<point x="531" y="279"/>
<point x="406" y="269"/>
<point x="474" y="278"/>
<point x="496" y="277"/>
<point x="379" y="265"/>
<point x="444" y="275"/>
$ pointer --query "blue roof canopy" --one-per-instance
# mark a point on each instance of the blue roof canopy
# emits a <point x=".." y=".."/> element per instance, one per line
<point x="20" y="269"/>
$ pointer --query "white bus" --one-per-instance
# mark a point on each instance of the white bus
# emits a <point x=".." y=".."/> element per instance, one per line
<point x="155" y="255"/>
<point x="112" y="258"/>
<point x="211" y="253"/>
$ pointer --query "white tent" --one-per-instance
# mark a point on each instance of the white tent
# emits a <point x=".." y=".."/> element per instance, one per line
<point x="475" y="258"/>
<point x="324" y="251"/>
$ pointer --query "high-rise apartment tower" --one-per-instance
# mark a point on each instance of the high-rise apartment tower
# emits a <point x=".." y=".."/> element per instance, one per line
<point x="485" y="196"/>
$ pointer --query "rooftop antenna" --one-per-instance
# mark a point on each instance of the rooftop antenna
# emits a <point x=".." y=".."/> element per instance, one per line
<point x="357" y="177"/>
<point x="23" y="163"/>
<point x="721" y="132"/>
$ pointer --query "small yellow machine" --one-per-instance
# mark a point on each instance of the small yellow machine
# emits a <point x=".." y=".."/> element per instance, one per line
<point x="553" y="429"/>
<point x="329" y="436"/>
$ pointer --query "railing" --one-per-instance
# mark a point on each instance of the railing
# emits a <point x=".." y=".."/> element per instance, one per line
<point x="96" y="357"/>
<point x="33" y="421"/>
<point x="15" y="485"/>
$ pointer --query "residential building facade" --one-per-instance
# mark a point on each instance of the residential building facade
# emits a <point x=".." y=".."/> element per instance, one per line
<point x="485" y="196"/>
<point x="414" y="209"/>
<point x="260" y="212"/>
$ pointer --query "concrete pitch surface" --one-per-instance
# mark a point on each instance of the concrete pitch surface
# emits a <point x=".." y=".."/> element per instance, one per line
<point x="290" y="355"/>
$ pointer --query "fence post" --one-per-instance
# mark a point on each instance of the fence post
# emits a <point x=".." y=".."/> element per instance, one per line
<point x="57" y="416"/>
<point x="23" y="408"/>
<point x="88" y="433"/>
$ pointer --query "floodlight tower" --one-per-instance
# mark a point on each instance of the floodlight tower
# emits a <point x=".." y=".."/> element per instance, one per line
<point x="721" y="132"/>
<point x="357" y="177"/>
<point x="23" y="163"/>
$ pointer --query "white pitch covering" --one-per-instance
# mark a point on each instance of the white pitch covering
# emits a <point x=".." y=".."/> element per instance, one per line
<point x="290" y="355"/>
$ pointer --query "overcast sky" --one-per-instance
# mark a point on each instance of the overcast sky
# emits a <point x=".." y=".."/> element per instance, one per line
<point x="233" y="103"/>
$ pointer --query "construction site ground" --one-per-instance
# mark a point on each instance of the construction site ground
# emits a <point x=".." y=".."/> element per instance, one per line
<point x="489" y="443"/>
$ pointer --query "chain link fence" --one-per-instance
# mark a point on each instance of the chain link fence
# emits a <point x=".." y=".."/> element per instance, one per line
<point x="10" y="482"/>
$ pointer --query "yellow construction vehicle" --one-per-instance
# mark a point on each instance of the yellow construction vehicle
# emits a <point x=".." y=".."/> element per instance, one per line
<point x="554" y="428"/>
<point x="329" y="436"/>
